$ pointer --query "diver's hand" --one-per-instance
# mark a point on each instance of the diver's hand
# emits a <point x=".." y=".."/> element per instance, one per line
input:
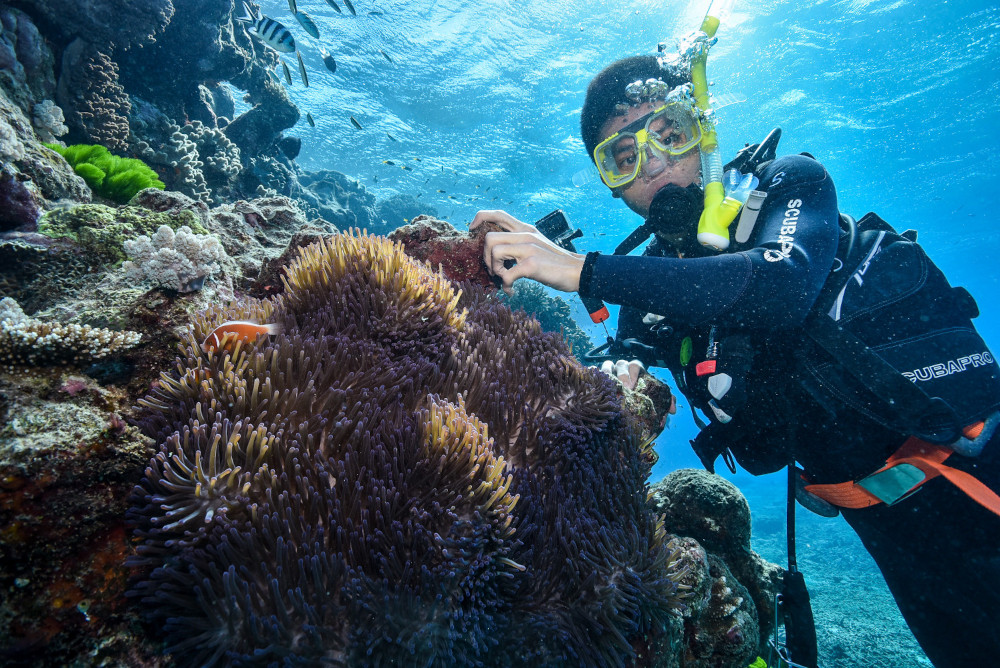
<point x="629" y="373"/>
<point x="626" y="372"/>
<point x="534" y="256"/>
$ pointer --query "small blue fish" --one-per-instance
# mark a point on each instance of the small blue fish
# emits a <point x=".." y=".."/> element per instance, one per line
<point x="302" y="71"/>
<point x="350" y="7"/>
<point x="335" y="6"/>
<point x="356" y="124"/>
<point x="309" y="120"/>
<point x="386" y="56"/>
<point x="288" y="75"/>
<point x="273" y="33"/>
<point x="307" y="23"/>
<point x="328" y="60"/>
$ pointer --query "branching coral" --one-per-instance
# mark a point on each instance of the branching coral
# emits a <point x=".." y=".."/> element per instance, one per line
<point x="26" y="341"/>
<point x="220" y="157"/>
<point x="109" y="176"/>
<point x="180" y="261"/>
<point x="405" y="475"/>
<point x="178" y="155"/>
<point x="96" y="105"/>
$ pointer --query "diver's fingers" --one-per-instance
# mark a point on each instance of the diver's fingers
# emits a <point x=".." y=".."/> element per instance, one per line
<point x="506" y="246"/>
<point x="523" y="262"/>
<point x="501" y="218"/>
<point x="635" y="367"/>
<point x="621" y="370"/>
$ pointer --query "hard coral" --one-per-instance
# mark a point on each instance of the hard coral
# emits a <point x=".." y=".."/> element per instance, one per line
<point x="180" y="261"/>
<point x="89" y="93"/>
<point x="26" y="341"/>
<point x="405" y="475"/>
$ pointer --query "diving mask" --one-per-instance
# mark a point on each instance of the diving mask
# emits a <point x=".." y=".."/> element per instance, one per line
<point x="669" y="131"/>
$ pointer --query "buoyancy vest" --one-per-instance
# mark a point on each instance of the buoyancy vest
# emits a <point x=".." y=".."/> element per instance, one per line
<point x="888" y="339"/>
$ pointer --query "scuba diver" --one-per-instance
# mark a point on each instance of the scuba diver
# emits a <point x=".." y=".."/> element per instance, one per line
<point x="807" y="339"/>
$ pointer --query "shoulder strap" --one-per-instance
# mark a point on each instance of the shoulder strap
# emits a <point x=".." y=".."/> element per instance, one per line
<point x="930" y="418"/>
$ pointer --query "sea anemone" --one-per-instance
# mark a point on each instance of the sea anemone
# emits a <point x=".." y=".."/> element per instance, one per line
<point x="408" y="474"/>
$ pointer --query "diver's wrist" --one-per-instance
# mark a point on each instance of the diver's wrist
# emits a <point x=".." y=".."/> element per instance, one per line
<point x="587" y="273"/>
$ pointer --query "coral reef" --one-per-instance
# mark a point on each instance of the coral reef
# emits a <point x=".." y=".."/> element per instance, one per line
<point x="28" y="341"/>
<point x="32" y="176"/>
<point x="122" y="23"/>
<point x="338" y="198"/>
<point x="405" y="474"/>
<point x="109" y="176"/>
<point x="179" y="262"/>
<point x="710" y="509"/>
<point x="26" y="61"/>
<point x="102" y="230"/>
<point x="95" y="104"/>
<point x="67" y="462"/>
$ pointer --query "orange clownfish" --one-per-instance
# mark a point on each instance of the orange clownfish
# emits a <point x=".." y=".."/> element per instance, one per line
<point x="228" y="333"/>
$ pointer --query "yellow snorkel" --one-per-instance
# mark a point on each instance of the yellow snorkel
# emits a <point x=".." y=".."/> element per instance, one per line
<point x="720" y="210"/>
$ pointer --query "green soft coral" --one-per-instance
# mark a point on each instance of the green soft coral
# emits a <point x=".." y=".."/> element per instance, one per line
<point x="109" y="176"/>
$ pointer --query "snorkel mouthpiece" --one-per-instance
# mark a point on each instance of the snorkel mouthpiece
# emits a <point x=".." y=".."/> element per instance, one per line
<point x="720" y="210"/>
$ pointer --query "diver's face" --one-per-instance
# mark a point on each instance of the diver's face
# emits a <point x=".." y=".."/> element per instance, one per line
<point x="680" y="170"/>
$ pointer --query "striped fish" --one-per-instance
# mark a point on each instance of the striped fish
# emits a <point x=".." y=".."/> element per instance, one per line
<point x="273" y="33"/>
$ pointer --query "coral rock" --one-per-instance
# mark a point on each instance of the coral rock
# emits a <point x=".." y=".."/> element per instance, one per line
<point x="712" y="510"/>
<point x="459" y="254"/>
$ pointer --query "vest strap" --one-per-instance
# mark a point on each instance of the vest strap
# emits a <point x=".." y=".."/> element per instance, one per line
<point x="913" y="464"/>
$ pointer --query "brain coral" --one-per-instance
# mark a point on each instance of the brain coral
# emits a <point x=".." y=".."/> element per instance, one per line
<point x="406" y="475"/>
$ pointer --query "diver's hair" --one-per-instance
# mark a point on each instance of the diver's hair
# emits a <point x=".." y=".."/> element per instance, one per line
<point x="607" y="90"/>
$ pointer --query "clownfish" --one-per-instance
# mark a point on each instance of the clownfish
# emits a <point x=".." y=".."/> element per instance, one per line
<point x="237" y="330"/>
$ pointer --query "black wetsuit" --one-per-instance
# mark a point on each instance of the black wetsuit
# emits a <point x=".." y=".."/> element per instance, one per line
<point x="938" y="550"/>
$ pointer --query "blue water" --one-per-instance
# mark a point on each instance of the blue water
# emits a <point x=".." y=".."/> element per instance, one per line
<point x="897" y="98"/>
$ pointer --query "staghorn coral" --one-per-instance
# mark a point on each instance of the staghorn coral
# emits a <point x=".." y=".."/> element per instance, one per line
<point x="405" y="475"/>
<point x="180" y="261"/>
<point x="26" y="341"/>
<point x="95" y="104"/>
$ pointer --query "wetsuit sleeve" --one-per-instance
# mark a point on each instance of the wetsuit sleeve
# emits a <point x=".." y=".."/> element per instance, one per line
<point x="772" y="284"/>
